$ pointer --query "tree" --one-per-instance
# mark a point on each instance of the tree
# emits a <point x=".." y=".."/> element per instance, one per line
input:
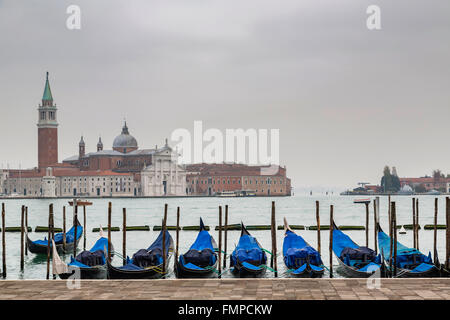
<point x="389" y="182"/>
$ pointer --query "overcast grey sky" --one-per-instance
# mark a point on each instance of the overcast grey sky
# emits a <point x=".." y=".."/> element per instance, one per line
<point x="347" y="100"/>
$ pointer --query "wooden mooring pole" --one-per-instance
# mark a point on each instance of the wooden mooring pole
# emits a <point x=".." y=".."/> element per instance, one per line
<point x="124" y="236"/>
<point x="178" y="236"/>
<point x="367" y="224"/>
<point x="391" y="241"/>
<point x="3" y="243"/>
<point x="274" y="241"/>
<point x="446" y="263"/>
<point x="414" y="221"/>
<point x="26" y="229"/>
<point x="331" y="240"/>
<point x="109" y="230"/>
<point x="435" y="255"/>
<point x="49" y="239"/>
<point x="318" y="226"/>
<point x="64" y="228"/>
<point x="417" y="224"/>
<point x="84" y="227"/>
<point x="389" y="216"/>
<point x="52" y="232"/>
<point x="375" y="225"/>
<point x="394" y="231"/>
<point x="22" y="230"/>
<point x="164" y="222"/>
<point x="225" y="238"/>
<point x="220" y="241"/>
<point x="75" y="235"/>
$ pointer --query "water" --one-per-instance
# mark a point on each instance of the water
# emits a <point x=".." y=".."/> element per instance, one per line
<point x="297" y="210"/>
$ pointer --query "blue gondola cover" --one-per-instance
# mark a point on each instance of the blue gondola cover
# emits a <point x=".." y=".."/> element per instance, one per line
<point x="297" y="252"/>
<point x="248" y="250"/>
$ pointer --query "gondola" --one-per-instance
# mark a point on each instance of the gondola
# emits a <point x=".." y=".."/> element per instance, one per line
<point x="40" y="246"/>
<point x="248" y="259"/>
<point x="355" y="261"/>
<point x="201" y="259"/>
<point x="145" y="263"/>
<point x="303" y="260"/>
<point x="411" y="263"/>
<point x="86" y="265"/>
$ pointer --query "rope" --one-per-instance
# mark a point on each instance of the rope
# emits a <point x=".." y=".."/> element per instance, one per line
<point x="266" y="267"/>
<point x="158" y="269"/>
<point x="224" y="271"/>
<point x="212" y="269"/>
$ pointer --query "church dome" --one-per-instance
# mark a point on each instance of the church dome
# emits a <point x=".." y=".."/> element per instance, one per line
<point x="125" y="142"/>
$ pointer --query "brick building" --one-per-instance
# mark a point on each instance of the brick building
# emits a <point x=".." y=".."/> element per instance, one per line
<point x="212" y="179"/>
<point x="429" y="183"/>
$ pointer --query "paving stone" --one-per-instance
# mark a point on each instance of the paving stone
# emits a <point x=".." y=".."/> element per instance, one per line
<point x="235" y="289"/>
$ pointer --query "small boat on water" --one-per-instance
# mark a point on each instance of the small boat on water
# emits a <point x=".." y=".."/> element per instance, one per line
<point x="248" y="258"/>
<point x="40" y="246"/>
<point x="145" y="263"/>
<point x="226" y="194"/>
<point x="201" y="259"/>
<point x="303" y="260"/>
<point x="355" y="261"/>
<point x="89" y="264"/>
<point x="81" y="203"/>
<point x="410" y="262"/>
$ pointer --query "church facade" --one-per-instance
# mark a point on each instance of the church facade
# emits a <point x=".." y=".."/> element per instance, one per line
<point x="123" y="171"/>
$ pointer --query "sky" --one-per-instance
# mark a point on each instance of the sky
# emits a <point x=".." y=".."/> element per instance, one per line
<point x="347" y="100"/>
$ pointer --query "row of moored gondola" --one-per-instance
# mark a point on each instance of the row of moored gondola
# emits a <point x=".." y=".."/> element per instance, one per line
<point x="248" y="259"/>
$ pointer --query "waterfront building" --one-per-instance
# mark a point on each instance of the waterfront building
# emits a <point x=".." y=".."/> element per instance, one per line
<point x="428" y="183"/>
<point x="212" y="179"/>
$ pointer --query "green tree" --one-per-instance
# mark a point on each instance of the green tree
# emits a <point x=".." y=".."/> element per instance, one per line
<point x="389" y="183"/>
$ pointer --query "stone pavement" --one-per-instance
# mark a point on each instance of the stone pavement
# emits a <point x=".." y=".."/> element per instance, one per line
<point x="229" y="289"/>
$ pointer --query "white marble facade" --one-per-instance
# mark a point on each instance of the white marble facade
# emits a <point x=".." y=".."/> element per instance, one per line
<point x="164" y="177"/>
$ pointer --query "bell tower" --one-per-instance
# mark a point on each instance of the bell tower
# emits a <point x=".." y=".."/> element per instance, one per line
<point x="47" y="129"/>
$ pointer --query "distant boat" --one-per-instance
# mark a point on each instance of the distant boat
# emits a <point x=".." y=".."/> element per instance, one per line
<point x="367" y="200"/>
<point x="402" y="230"/>
<point x="81" y="203"/>
<point x="433" y="192"/>
<point x="227" y="194"/>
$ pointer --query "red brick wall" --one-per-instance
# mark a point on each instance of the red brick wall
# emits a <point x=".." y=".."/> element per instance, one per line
<point x="110" y="163"/>
<point x="199" y="184"/>
<point x="47" y="147"/>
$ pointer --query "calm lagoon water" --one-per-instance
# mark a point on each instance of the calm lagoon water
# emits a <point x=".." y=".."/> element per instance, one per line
<point x="297" y="209"/>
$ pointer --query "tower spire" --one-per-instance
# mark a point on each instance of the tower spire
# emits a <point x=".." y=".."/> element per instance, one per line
<point x="99" y="144"/>
<point x="47" y="96"/>
<point x="125" y="128"/>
